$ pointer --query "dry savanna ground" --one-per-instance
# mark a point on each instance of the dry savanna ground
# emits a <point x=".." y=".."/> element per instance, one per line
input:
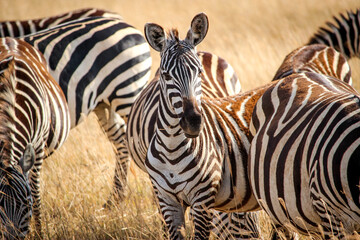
<point x="253" y="36"/>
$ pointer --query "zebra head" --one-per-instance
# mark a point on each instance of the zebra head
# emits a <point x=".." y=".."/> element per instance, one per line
<point x="180" y="71"/>
<point x="15" y="196"/>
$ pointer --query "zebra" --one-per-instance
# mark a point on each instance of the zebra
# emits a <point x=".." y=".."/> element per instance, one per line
<point x="307" y="135"/>
<point x="198" y="154"/>
<point x="19" y="28"/>
<point x="218" y="80"/>
<point x="101" y="63"/>
<point x="159" y="156"/>
<point x="35" y="121"/>
<point x="304" y="129"/>
<point x="344" y="36"/>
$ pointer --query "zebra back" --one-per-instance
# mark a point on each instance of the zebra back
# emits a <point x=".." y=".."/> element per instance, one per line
<point x="219" y="78"/>
<point x="344" y="36"/>
<point x="21" y="28"/>
<point x="316" y="58"/>
<point x="95" y="59"/>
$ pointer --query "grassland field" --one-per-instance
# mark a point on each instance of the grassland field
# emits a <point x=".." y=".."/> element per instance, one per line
<point x="253" y="36"/>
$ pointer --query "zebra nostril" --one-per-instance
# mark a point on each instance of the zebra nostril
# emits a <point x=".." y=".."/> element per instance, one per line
<point x="194" y="120"/>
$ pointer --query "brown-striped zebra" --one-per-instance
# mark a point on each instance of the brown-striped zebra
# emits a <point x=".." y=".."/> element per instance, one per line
<point x="197" y="157"/>
<point x="218" y="79"/>
<point x="105" y="78"/>
<point x="316" y="58"/>
<point x="304" y="156"/>
<point x="35" y="121"/>
<point x="302" y="127"/>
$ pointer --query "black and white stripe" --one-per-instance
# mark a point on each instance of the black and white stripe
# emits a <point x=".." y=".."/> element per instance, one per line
<point x="344" y="36"/>
<point x="305" y="148"/>
<point x="100" y="62"/>
<point x="218" y="80"/>
<point x="198" y="154"/>
<point x="35" y="121"/>
<point x="20" y="28"/>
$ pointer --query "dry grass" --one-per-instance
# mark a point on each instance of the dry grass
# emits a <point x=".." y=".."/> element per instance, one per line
<point x="254" y="36"/>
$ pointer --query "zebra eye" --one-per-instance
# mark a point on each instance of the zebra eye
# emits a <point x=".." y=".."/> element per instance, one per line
<point x="167" y="76"/>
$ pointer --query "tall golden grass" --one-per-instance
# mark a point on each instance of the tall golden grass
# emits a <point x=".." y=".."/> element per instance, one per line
<point x="253" y="36"/>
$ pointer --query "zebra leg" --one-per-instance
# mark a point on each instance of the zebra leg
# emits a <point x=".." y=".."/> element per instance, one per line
<point x="173" y="215"/>
<point x="115" y="127"/>
<point x="34" y="177"/>
<point x="236" y="225"/>
<point x="201" y="217"/>
<point x="279" y="232"/>
<point x="331" y="226"/>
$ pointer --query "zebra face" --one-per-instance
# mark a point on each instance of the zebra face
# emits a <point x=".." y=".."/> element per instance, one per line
<point x="180" y="71"/>
<point x="15" y="196"/>
<point x="183" y="94"/>
<point x="15" y="203"/>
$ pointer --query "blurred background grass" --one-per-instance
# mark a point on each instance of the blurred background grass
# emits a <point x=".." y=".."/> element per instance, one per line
<point x="253" y="36"/>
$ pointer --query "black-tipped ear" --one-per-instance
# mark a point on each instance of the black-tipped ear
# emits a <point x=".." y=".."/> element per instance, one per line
<point x="198" y="29"/>
<point x="28" y="159"/>
<point x="155" y="35"/>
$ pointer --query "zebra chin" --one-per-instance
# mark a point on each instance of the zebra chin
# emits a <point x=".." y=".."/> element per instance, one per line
<point x="192" y="125"/>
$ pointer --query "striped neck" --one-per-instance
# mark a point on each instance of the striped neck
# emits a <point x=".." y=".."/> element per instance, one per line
<point x="7" y="112"/>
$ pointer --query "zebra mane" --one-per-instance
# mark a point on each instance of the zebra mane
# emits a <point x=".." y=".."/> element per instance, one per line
<point x="331" y="34"/>
<point x="7" y="109"/>
<point x="173" y="35"/>
<point x="179" y="45"/>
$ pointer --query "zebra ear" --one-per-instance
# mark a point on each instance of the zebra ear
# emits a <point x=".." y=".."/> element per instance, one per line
<point x="155" y="35"/>
<point x="28" y="159"/>
<point x="198" y="30"/>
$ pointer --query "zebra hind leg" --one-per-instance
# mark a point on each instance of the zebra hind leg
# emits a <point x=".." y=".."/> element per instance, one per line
<point x="115" y="127"/>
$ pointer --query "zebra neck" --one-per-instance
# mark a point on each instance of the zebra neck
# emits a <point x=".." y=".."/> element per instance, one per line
<point x="7" y="111"/>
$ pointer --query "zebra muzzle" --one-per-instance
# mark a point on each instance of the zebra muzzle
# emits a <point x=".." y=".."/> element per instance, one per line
<point x="191" y="121"/>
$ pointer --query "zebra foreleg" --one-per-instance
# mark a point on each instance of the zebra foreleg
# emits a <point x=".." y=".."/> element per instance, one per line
<point x="115" y="127"/>
<point x="201" y="218"/>
<point x="34" y="177"/>
<point x="173" y="214"/>
<point x="236" y="225"/>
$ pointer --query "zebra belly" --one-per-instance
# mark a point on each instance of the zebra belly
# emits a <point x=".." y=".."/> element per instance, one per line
<point x="339" y="199"/>
<point x="235" y="193"/>
<point x="281" y="185"/>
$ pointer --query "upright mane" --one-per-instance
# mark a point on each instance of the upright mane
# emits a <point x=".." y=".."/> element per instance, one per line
<point x="174" y="34"/>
